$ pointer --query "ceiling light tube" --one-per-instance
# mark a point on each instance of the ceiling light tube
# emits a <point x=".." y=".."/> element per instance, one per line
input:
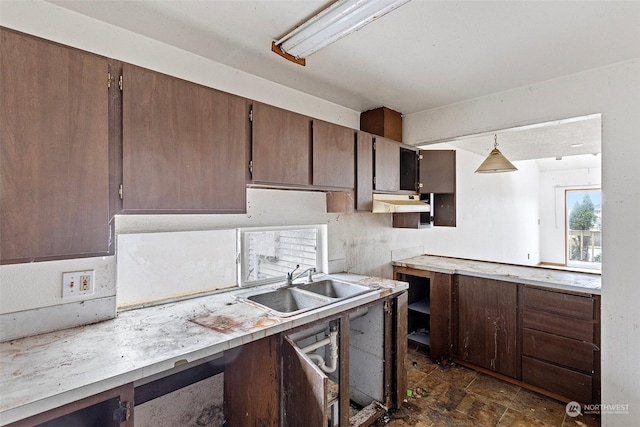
<point x="338" y="20"/>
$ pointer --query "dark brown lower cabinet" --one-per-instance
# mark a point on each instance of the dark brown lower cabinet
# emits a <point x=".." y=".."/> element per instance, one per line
<point x="367" y="376"/>
<point x="429" y="310"/>
<point x="542" y="338"/>
<point x="108" y="409"/>
<point x="561" y="343"/>
<point x="487" y="324"/>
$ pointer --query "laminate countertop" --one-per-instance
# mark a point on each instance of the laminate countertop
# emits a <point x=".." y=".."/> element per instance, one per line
<point x="46" y="371"/>
<point x="537" y="276"/>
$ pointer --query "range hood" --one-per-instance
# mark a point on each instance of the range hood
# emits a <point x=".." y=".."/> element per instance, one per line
<point x="399" y="203"/>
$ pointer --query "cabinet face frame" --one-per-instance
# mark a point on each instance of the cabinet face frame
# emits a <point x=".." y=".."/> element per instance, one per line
<point x="124" y="395"/>
<point x="55" y="167"/>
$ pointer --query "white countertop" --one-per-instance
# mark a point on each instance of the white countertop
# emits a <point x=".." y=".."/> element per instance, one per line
<point x="538" y="276"/>
<point x="46" y="371"/>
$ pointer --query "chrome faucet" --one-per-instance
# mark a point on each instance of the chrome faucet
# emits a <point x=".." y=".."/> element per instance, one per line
<point x="291" y="278"/>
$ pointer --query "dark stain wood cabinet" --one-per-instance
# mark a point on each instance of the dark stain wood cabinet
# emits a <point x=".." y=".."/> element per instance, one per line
<point x="429" y="310"/>
<point x="281" y="385"/>
<point x="55" y="173"/>
<point x="561" y="343"/>
<point x="112" y="408"/>
<point x="185" y="145"/>
<point x="364" y="171"/>
<point x="333" y="155"/>
<point x="281" y="146"/>
<point x="487" y="324"/>
<point x="386" y="165"/>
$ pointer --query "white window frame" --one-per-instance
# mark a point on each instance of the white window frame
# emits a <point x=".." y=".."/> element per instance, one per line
<point x="242" y="260"/>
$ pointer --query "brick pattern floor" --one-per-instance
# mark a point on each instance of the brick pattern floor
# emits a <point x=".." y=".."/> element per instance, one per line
<point x="460" y="397"/>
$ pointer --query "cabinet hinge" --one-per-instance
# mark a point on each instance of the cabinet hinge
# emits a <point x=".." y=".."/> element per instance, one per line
<point x="122" y="412"/>
<point x="120" y="82"/>
<point x="251" y="167"/>
<point x="374" y="145"/>
<point x="109" y="79"/>
<point x="374" y="180"/>
<point x="420" y="157"/>
<point x="251" y="114"/>
<point x="120" y="191"/>
<point x="419" y="185"/>
<point x="387" y="307"/>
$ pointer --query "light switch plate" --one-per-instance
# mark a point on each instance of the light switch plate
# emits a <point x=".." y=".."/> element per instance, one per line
<point x="78" y="283"/>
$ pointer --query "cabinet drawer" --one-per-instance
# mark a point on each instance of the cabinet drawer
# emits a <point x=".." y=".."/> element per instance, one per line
<point x="568" y="327"/>
<point x="558" y="303"/>
<point x="561" y="350"/>
<point x="556" y="379"/>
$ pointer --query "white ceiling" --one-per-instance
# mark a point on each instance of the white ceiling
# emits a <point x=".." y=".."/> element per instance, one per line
<point x="423" y="55"/>
<point x="552" y="140"/>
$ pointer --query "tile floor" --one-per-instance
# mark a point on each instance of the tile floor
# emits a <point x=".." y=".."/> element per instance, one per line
<point x="461" y="397"/>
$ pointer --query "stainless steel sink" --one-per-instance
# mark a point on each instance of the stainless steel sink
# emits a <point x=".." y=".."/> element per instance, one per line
<point x="292" y="300"/>
<point x="289" y="300"/>
<point x="334" y="289"/>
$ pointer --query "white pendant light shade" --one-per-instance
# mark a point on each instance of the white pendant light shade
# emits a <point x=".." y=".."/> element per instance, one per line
<point x="496" y="162"/>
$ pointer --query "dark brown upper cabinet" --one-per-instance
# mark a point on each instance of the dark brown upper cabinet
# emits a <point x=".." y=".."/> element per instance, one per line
<point x="281" y="146"/>
<point x="386" y="165"/>
<point x="55" y="172"/>
<point x="185" y="146"/>
<point x="429" y="172"/>
<point x="364" y="171"/>
<point x="333" y="155"/>
<point x="382" y="121"/>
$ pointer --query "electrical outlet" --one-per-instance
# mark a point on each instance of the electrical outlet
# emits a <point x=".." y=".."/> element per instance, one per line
<point x="78" y="283"/>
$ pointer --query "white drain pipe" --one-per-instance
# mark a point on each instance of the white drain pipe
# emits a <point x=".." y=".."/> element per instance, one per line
<point x="332" y="342"/>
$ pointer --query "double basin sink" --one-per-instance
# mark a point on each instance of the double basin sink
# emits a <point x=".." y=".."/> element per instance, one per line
<point x="295" y="299"/>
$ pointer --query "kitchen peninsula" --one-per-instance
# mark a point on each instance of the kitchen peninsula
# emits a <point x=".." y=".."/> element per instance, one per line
<point x="533" y="326"/>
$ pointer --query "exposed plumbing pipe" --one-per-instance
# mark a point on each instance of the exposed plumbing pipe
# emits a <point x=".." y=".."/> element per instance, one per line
<point x="332" y="342"/>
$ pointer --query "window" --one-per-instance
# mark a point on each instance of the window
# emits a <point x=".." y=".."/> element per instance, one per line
<point x="584" y="228"/>
<point x="267" y="254"/>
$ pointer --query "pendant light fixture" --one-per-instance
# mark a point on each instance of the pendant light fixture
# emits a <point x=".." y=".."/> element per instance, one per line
<point x="495" y="161"/>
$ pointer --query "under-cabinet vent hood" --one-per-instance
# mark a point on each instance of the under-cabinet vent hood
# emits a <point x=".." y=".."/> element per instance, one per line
<point x="399" y="203"/>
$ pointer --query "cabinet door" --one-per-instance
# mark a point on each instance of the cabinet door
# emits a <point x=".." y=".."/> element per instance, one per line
<point x="252" y="383"/>
<point x="54" y="167"/>
<point x="185" y="145"/>
<point x="281" y="146"/>
<point x="305" y="397"/>
<point x="333" y="155"/>
<point x="487" y="312"/>
<point x="437" y="171"/>
<point x="364" y="171"/>
<point x="387" y="165"/>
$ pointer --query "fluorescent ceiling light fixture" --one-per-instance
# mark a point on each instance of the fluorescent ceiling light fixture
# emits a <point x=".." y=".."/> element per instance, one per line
<point x="495" y="161"/>
<point x="338" y="20"/>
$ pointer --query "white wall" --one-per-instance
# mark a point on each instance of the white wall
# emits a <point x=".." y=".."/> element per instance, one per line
<point x="553" y="185"/>
<point x="613" y="91"/>
<point x="497" y="214"/>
